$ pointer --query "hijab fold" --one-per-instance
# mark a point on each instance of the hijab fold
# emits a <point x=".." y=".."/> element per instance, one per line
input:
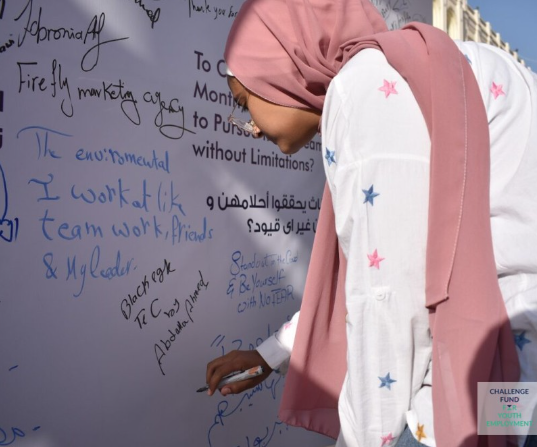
<point x="288" y="51"/>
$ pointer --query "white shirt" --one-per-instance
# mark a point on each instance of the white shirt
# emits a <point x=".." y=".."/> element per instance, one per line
<point x="376" y="157"/>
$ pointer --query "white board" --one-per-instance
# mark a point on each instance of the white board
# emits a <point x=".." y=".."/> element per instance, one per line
<point x="140" y="235"/>
<point x="398" y="13"/>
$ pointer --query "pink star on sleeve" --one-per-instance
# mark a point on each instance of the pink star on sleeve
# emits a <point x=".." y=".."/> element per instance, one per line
<point x="388" y="88"/>
<point x="497" y="90"/>
<point x="374" y="260"/>
<point x="386" y="439"/>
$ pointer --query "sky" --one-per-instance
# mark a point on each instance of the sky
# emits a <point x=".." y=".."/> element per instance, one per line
<point x="516" y="21"/>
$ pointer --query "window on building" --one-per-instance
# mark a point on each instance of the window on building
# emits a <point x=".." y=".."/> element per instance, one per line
<point x="452" y="24"/>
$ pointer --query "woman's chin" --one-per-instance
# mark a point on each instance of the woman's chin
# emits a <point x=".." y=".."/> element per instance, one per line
<point x="288" y="149"/>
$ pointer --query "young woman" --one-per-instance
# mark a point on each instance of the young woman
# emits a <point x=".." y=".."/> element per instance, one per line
<point x="430" y="154"/>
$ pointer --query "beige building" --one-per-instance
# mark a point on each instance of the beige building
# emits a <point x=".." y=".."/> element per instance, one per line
<point x="463" y="22"/>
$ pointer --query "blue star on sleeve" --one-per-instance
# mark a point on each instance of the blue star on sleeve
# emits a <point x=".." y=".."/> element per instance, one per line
<point x="521" y="340"/>
<point x="330" y="156"/>
<point x="370" y="195"/>
<point x="386" y="382"/>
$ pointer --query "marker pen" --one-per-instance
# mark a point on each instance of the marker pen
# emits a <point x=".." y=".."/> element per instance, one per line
<point x="236" y="376"/>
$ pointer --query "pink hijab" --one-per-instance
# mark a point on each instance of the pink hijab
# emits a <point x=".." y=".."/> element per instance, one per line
<point x="288" y="51"/>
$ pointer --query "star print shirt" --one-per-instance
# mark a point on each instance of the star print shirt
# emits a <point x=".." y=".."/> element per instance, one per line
<point x="376" y="158"/>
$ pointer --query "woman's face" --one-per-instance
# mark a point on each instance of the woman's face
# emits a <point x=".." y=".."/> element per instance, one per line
<point x="288" y="127"/>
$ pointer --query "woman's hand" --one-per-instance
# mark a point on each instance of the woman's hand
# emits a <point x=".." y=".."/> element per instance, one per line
<point x="235" y="361"/>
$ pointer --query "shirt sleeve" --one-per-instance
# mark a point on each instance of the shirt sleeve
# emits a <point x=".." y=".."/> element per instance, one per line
<point x="276" y="350"/>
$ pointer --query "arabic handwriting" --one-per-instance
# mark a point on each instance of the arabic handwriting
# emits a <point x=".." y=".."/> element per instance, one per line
<point x="15" y="432"/>
<point x="292" y="226"/>
<point x="268" y="201"/>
